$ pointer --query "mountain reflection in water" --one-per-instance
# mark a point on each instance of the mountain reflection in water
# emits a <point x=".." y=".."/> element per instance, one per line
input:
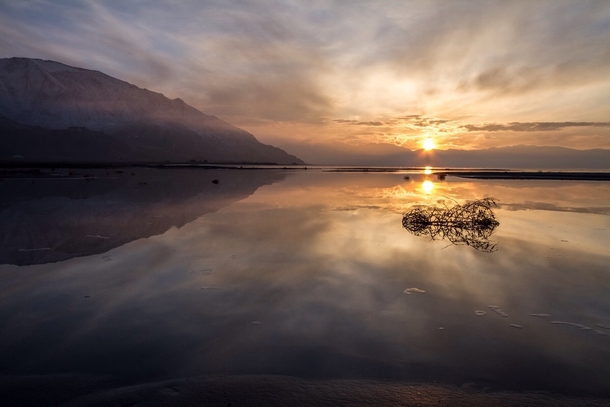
<point x="46" y="220"/>
<point x="310" y="277"/>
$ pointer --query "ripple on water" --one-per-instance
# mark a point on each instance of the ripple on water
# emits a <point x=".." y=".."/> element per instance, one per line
<point x="498" y="310"/>
<point x="581" y="326"/>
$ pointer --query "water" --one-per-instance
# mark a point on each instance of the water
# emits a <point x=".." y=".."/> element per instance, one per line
<point x="150" y="275"/>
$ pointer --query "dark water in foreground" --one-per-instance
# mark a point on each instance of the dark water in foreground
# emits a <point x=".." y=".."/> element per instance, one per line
<point x="164" y="274"/>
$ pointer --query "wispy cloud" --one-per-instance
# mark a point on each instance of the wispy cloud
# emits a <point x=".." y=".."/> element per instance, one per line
<point x="410" y="130"/>
<point x="358" y="122"/>
<point x="531" y="127"/>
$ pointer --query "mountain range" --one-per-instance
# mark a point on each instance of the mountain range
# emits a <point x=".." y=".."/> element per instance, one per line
<point x="519" y="156"/>
<point x="54" y="112"/>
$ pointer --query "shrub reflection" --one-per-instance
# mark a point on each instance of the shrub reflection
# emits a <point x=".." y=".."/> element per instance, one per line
<point x="470" y="224"/>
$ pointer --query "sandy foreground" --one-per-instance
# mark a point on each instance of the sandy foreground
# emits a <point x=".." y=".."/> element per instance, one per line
<point x="235" y="391"/>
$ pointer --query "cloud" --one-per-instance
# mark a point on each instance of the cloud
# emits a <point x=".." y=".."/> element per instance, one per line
<point x="408" y="131"/>
<point x="359" y="123"/>
<point x="232" y="61"/>
<point x="501" y="45"/>
<point x="438" y="125"/>
<point x="86" y="35"/>
<point x="531" y="127"/>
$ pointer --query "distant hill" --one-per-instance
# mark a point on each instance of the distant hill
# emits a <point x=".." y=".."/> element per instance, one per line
<point x="506" y="157"/>
<point x="521" y="156"/>
<point x="53" y="112"/>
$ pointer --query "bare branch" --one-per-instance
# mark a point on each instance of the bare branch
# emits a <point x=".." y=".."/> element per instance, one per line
<point x="470" y="224"/>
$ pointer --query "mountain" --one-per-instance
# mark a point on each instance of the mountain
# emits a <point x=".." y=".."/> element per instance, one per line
<point x="520" y="156"/>
<point x="91" y="116"/>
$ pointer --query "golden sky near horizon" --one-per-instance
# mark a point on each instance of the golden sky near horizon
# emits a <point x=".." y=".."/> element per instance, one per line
<point x="466" y="74"/>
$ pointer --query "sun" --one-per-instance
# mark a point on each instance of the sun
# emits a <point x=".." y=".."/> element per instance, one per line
<point x="429" y="144"/>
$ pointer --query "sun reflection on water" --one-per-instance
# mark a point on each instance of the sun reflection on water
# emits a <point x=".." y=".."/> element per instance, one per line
<point x="428" y="170"/>
<point x="427" y="186"/>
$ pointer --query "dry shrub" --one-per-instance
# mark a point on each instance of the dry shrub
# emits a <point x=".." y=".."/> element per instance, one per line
<point x="470" y="224"/>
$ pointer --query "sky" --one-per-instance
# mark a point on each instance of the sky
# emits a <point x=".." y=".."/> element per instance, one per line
<point x="466" y="74"/>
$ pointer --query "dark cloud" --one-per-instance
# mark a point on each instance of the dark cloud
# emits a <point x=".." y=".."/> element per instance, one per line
<point x="418" y="122"/>
<point x="532" y="126"/>
<point x="423" y="123"/>
<point x="451" y="129"/>
<point x="359" y="123"/>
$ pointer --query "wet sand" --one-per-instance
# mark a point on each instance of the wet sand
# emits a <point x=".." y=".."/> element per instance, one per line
<point x="77" y="391"/>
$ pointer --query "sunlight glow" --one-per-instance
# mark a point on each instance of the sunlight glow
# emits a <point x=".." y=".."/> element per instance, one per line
<point x="428" y="186"/>
<point x="428" y="170"/>
<point x="429" y="144"/>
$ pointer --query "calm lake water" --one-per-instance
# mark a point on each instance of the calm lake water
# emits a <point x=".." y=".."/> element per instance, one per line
<point x="148" y="275"/>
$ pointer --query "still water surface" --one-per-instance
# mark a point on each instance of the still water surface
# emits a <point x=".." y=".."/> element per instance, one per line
<point x="164" y="274"/>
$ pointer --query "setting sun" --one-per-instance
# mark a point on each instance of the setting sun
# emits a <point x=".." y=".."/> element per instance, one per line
<point x="429" y="144"/>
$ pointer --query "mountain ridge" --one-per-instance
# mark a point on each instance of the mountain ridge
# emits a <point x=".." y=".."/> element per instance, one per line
<point x="54" y="96"/>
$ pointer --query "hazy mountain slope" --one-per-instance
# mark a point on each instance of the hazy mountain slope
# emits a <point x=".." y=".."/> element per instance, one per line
<point x="19" y="142"/>
<point x="52" y="95"/>
<point x="525" y="157"/>
<point x="346" y="154"/>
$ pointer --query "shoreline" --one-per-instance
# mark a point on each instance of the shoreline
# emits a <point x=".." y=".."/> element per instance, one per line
<point x="41" y="170"/>
<point x="530" y="175"/>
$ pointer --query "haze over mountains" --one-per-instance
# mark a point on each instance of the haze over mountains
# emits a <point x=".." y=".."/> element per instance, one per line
<point x="53" y="112"/>
<point x="519" y="156"/>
